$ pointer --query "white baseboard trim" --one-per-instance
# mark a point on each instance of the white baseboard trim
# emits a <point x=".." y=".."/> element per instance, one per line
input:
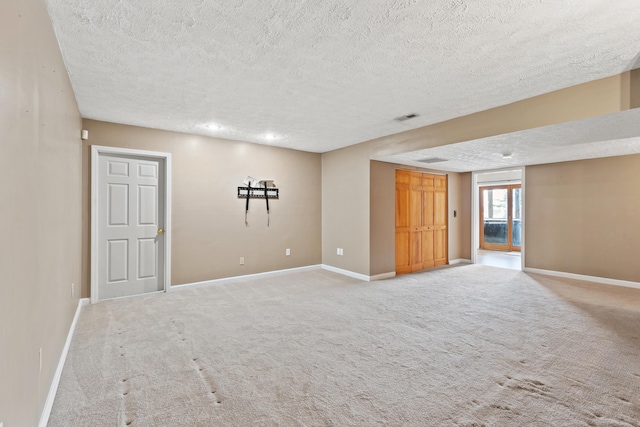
<point x="603" y="280"/>
<point x="48" y="405"/>
<point x="245" y="277"/>
<point x="382" y="276"/>
<point x="282" y="272"/>
<point x="346" y="272"/>
<point x="460" y="261"/>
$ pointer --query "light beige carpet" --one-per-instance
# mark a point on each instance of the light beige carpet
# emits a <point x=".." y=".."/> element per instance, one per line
<point x="462" y="346"/>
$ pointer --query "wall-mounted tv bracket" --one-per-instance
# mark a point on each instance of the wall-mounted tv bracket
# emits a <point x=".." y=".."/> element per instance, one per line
<point x="257" y="193"/>
<point x="263" y="189"/>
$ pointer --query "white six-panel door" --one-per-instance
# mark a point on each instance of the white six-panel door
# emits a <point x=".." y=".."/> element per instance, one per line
<point x="130" y="225"/>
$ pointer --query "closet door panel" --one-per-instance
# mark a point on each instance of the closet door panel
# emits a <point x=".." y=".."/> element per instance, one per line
<point x="428" y="254"/>
<point x="403" y="263"/>
<point x="416" y="250"/>
<point x="403" y="231"/>
<point x="421" y="221"/>
<point x="440" y="246"/>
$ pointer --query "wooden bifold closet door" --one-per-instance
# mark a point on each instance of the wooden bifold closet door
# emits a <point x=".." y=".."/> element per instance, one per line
<point x="421" y="221"/>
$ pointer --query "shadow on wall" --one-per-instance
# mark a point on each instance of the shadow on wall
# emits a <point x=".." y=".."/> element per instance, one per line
<point x="635" y="62"/>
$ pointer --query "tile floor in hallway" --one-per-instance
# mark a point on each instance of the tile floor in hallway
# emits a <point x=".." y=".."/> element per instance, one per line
<point x="500" y="259"/>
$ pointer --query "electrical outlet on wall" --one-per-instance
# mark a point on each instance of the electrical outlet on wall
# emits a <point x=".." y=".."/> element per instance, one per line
<point x="340" y="251"/>
<point x="241" y="260"/>
<point x="73" y="290"/>
<point x="287" y="252"/>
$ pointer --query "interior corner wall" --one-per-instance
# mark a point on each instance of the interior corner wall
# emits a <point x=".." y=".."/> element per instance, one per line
<point x="40" y="189"/>
<point x="208" y="230"/>
<point x="382" y="211"/>
<point x="582" y="217"/>
<point x="454" y="223"/>
<point x="345" y="208"/>
<point x="383" y="217"/>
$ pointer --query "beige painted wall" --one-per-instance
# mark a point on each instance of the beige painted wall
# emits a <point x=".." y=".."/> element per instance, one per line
<point x="40" y="167"/>
<point x="345" y="208"/>
<point x="582" y="217"/>
<point x="466" y="186"/>
<point x="454" y="223"/>
<point x="209" y="234"/>
<point x="383" y="217"/>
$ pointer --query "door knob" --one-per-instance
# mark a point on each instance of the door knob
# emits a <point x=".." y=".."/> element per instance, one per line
<point x="160" y="230"/>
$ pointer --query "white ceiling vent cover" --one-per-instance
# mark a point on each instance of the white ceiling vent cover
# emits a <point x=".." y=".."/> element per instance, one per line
<point x="406" y="117"/>
<point x="432" y="160"/>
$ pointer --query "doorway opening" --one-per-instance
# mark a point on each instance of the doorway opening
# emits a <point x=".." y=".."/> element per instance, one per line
<point x="498" y="225"/>
<point x="130" y="222"/>
<point x="501" y="217"/>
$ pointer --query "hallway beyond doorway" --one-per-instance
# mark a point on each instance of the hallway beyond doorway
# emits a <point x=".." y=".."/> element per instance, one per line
<point x="511" y="260"/>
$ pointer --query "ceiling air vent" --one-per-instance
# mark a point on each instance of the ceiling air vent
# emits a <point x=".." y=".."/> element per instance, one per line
<point x="407" y="117"/>
<point x="432" y="160"/>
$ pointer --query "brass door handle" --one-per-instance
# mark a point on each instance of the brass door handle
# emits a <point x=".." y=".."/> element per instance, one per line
<point x="160" y="230"/>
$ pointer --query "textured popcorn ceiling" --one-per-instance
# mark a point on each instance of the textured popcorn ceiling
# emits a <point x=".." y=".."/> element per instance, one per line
<point x="603" y="136"/>
<point x="320" y="75"/>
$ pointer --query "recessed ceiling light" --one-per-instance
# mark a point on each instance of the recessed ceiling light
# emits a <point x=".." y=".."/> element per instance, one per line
<point x="213" y="126"/>
<point x="270" y="136"/>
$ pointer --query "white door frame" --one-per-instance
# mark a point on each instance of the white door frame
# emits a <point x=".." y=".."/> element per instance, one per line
<point x="475" y="212"/>
<point x="96" y="151"/>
